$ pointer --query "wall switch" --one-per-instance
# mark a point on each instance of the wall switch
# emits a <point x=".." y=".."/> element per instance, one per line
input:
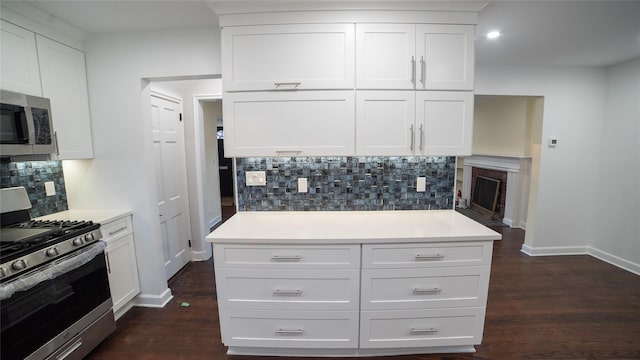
<point x="302" y="185"/>
<point x="553" y="142"/>
<point x="421" y="184"/>
<point x="256" y="178"/>
<point x="49" y="188"/>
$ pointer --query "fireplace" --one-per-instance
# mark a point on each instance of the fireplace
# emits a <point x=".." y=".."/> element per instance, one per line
<point x="513" y="174"/>
<point x="487" y="184"/>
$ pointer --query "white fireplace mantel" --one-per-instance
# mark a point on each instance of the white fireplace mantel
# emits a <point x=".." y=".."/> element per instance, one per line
<point x="518" y="170"/>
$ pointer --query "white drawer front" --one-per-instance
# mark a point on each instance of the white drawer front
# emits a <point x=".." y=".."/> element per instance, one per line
<point x="427" y="255"/>
<point x="290" y="329"/>
<point x="287" y="257"/>
<point x="288" y="289"/>
<point x="117" y="228"/>
<point x="413" y="328"/>
<point x="421" y="288"/>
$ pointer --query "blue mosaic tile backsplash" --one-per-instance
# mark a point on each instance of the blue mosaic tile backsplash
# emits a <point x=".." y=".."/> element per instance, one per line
<point x="347" y="183"/>
<point x="32" y="175"/>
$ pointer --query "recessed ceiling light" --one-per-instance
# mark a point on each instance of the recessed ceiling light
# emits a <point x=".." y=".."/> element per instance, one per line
<point x="493" y="34"/>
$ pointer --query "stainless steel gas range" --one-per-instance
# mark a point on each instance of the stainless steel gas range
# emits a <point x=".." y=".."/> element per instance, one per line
<point x="55" y="301"/>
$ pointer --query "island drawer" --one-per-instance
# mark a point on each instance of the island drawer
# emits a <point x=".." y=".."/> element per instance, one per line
<point x="426" y="255"/>
<point x="422" y="288"/>
<point x="414" y="328"/>
<point x="295" y="329"/>
<point x="288" y="289"/>
<point x="287" y="256"/>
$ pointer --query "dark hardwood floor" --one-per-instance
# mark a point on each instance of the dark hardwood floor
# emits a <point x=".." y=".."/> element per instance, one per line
<point x="564" y="307"/>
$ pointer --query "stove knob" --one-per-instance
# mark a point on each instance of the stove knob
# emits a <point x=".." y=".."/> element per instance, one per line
<point x="89" y="237"/>
<point x="2" y="273"/>
<point x="51" y="252"/>
<point x="19" y="265"/>
<point x="78" y="241"/>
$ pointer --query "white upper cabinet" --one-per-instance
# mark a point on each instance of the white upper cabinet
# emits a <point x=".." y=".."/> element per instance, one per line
<point x="407" y="56"/>
<point x="289" y="123"/>
<point x="288" y="57"/>
<point x="446" y="56"/>
<point x="446" y="119"/>
<point x="64" y="82"/>
<point x="385" y="123"/>
<point x="385" y="56"/>
<point x="19" y="71"/>
<point x="405" y="123"/>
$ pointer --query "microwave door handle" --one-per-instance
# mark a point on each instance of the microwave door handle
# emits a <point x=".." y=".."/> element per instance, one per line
<point x="23" y="124"/>
<point x="30" y="126"/>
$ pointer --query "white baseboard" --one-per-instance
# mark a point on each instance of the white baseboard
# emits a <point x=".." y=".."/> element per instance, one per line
<point x="615" y="260"/>
<point x="554" y="250"/>
<point x="200" y="256"/>
<point x="583" y="250"/>
<point x="153" y="301"/>
<point x="508" y="222"/>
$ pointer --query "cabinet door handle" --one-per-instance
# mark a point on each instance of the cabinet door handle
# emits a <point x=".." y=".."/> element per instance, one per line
<point x="429" y="257"/>
<point x="289" y="332"/>
<point x="431" y="291"/>
<point x="288" y="152"/>
<point x="413" y="69"/>
<point x="423" y="71"/>
<point x="421" y="137"/>
<point x="295" y="292"/>
<point x="279" y="85"/>
<point x="422" y="331"/>
<point x="286" y="258"/>
<point x="412" y="138"/>
<point x="111" y="233"/>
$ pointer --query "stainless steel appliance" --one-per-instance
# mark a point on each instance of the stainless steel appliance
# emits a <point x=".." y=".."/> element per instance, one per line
<point x="55" y="301"/>
<point x="26" y="127"/>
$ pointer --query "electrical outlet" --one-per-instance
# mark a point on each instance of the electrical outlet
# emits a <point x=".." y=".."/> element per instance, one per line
<point x="49" y="188"/>
<point x="421" y="184"/>
<point x="256" y="178"/>
<point x="302" y="185"/>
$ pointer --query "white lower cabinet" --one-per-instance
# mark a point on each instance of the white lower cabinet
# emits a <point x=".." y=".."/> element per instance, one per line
<point x="352" y="300"/>
<point x="121" y="263"/>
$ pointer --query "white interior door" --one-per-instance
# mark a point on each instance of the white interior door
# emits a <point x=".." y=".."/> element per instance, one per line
<point x="170" y="167"/>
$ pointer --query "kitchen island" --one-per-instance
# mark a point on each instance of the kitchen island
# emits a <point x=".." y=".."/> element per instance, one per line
<point x="351" y="283"/>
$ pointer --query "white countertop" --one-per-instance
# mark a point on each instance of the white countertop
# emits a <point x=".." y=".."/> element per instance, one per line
<point x="97" y="216"/>
<point x="342" y="227"/>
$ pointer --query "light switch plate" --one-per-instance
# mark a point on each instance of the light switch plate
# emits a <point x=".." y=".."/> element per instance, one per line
<point x="553" y="142"/>
<point x="302" y="185"/>
<point x="256" y="178"/>
<point x="49" y="188"/>
<point x="421" y="184"/>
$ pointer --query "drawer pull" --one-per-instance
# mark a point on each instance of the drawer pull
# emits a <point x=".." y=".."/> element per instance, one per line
<point x="287" y="292"/>
<point x="111" y="233"/>
<point x="289" y="332"/>
<point x="432" y="291"/>
<point x="286" y="258"/>
<point x="422" y="331"/>
<point x="293" y="85"/>
<point x="429" y="257"/>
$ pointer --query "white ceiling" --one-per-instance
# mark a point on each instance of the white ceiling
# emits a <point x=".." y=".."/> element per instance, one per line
<point x="570" y="33"/>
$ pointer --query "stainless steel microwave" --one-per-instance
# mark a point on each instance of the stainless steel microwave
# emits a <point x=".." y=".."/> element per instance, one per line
<point x="26" y="128"/>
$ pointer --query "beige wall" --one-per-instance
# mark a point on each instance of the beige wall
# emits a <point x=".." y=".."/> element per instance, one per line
<point x="503" y="125"/>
